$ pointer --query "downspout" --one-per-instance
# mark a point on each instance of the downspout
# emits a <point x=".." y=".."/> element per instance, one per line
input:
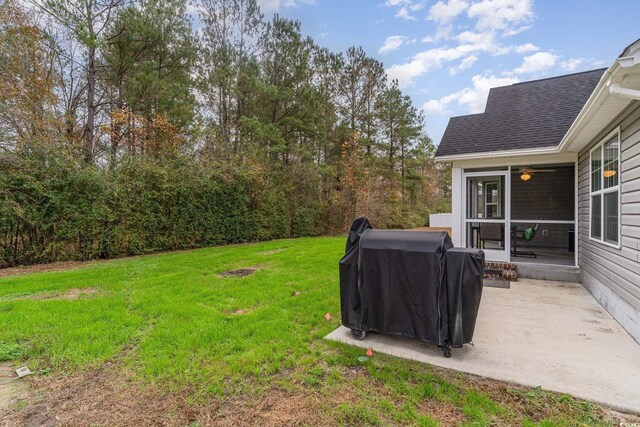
<point x="616" y="89"/>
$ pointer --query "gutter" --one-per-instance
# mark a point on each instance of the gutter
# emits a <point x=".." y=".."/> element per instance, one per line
<point x="610" y="80"/>
<point x="495" y="154"/>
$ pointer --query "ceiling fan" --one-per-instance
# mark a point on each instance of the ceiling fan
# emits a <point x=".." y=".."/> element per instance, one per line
<point x="526" y="173"/>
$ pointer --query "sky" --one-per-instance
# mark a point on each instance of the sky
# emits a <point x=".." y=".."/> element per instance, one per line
<point x="446" y="54"/>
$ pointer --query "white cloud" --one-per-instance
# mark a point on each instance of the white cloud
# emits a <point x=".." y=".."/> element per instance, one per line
<point x="444" y="12"/>
<point x="472" y="98"/>
<point x="470" y="44"/>
<point x="528" y="47"/>
<point x="475" y="98"/>
<point x="392" y="43"/>
<point x="571" y="64"/>
<point x="465" y="64"/>
<point x="434" y="106"/>
<point x="491" y="20"/>
<point x="537" y="62"/>
<point x="275" y="5"/>
<point x="405" y="7"/>
<point x="426" y="61"/>
<point x="411" y="4"/>
<point x="403" y="13"/>
<point x="501" y="15"/>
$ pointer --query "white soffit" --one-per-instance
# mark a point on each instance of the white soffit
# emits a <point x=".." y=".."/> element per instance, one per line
<point x="599" y="120"/>
<point x="604" y="106"/>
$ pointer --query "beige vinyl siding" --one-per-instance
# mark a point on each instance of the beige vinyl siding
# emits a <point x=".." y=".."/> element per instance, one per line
<point x="616" y="268"/>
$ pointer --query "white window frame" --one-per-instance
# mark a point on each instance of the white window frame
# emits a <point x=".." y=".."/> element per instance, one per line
<point x="497" y="203"/>
<point x="603" y="191"/>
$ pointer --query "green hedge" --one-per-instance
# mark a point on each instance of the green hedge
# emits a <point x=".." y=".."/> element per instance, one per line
<point x="56" y="208"/>
<point x="53" y="208"/>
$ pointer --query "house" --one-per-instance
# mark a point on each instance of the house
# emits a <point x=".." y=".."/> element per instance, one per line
<point x="548" y="178"/>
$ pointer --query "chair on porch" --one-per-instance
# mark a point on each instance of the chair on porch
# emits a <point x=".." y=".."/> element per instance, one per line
<point x="523" y="235"/>
<point x="493" y="233"/>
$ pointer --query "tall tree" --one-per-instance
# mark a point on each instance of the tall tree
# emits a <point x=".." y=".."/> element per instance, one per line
<point x="400" y="126"/>
<point x="362" y="82"/>
<point x="27" y="78"/>
<point x="148" y="58"/>
<point x="86" y="19"/>
<point x="231" y="35"/>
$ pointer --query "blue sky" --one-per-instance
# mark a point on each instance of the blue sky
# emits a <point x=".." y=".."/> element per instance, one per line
<point x="447" y="54"/>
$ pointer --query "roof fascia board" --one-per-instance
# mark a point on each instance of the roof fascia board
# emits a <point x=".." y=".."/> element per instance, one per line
<point x="529" y="160"/>
<point x="494" y="154"/>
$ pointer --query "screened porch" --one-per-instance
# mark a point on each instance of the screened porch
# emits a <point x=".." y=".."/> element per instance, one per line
<point x="522" y="213"/>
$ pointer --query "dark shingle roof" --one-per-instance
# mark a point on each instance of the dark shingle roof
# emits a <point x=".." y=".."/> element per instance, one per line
<point x="532" y="114"/>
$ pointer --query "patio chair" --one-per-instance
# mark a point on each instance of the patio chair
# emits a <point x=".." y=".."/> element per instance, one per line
<point x="523" y="235"/>
<point x="493" y="233"/>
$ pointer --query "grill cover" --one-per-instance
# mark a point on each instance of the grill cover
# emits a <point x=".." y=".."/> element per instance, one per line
<point x="392" y="282"/>
<point x="404" y="283"/>
<point x="349" y="292"/>
<point x="465" y="268"/>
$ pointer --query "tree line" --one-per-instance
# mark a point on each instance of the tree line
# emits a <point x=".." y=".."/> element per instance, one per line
<point x="130" y="126"/>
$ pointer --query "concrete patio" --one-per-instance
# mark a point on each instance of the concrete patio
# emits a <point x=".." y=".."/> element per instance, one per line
<point x="537" y="333"/>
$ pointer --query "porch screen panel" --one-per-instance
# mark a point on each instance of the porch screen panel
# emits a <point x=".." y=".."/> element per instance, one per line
<point x="485" y="212"/>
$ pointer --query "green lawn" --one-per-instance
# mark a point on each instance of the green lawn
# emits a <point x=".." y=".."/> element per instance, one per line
<point x="174" y="322"/>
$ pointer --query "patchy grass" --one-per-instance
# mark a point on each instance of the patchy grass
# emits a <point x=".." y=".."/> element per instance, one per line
<point x="173" y="335"/>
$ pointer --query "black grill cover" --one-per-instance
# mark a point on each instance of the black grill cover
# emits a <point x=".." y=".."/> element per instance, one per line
<point x="465" y="268"/>
<point x="405" y="283"/>
<point x="393" y="283"/>
<point x="349" y="292"/>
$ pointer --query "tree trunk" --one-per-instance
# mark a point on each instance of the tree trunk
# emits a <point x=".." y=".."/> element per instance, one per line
<point x="89" y="129"/>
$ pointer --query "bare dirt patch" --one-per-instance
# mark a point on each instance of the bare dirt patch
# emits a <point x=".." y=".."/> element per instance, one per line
<point x="69" y="294"/>
<point x="12" y="388"/>
<point x="238" y="312"/>
<point x="239" y="272"/>
<point x="111" y="396"/>
<point x="99" y="397"/>
<point x="446" y="413"/>
<point x="274" y="408"/>
<point x="272" y="252"/>
<point x="40" y="268"/>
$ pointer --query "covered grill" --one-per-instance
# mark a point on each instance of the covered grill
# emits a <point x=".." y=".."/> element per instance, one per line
<point x="410" y="283"/>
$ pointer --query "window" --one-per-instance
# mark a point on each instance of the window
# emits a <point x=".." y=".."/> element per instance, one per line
<point x="492" y="200"/>
<point x="605" y="188"/>
<point x="485" y="197"/>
